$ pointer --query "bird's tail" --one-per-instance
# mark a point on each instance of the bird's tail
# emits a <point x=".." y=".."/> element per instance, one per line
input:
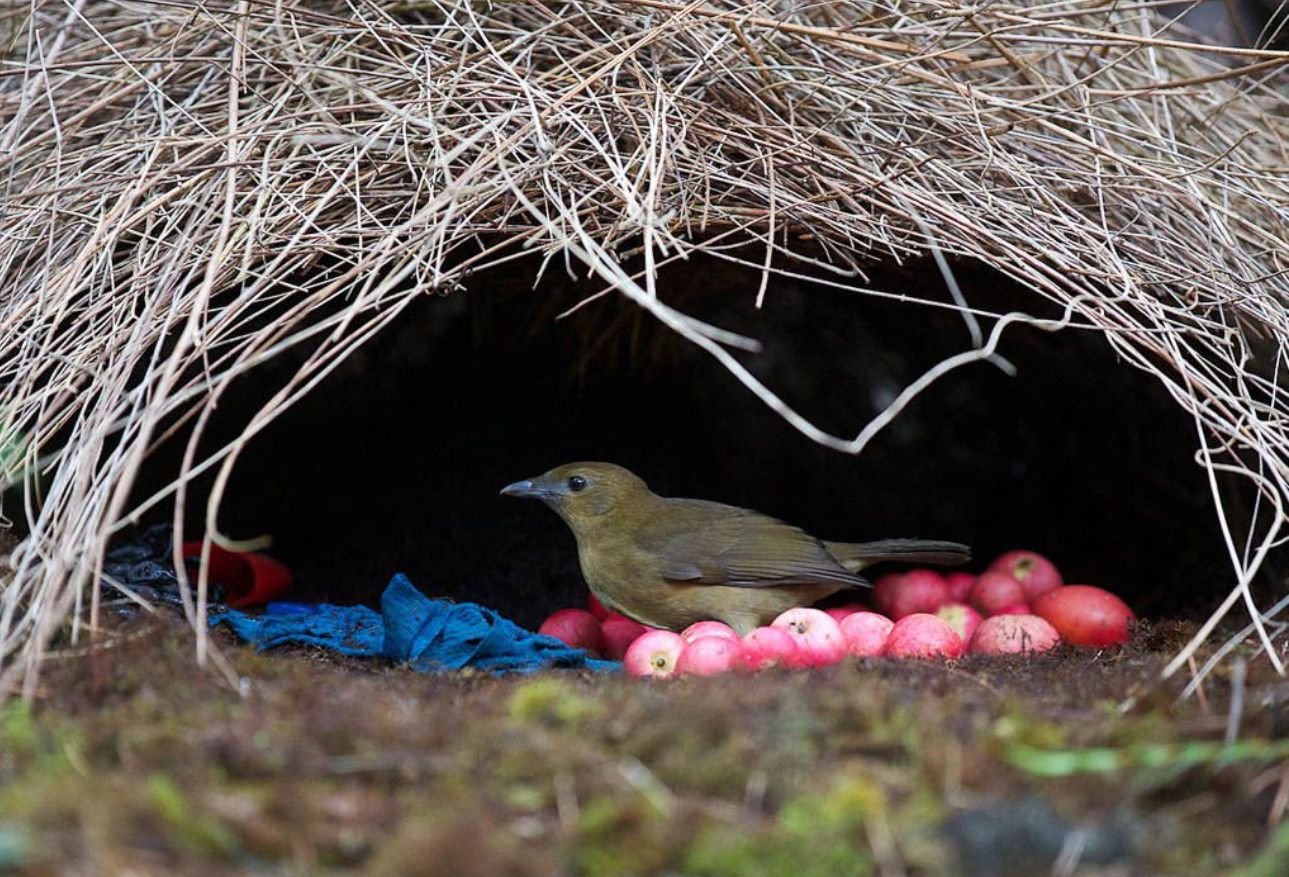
<point x="855" y="556"/>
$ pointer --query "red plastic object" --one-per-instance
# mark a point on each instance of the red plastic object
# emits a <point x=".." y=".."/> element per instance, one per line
<point x="248" y="577"/>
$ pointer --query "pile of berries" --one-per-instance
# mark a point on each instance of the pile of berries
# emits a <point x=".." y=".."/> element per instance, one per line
<point x="1020" y="604"/>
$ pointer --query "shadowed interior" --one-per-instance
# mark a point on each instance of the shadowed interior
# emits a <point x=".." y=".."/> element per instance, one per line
<point x="395" y="462"/>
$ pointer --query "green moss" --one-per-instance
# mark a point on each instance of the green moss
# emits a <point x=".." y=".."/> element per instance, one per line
<point x="137" y="760"/>
<point x="843" y="809"/>
<point x="18" y="734"/>
<point x="551" y="701"/>
<point x="1019" y="726"/>
<point x="1168" y="759"/>
<point x="523" y="796"/>
<point x="731" y="851"/>
<point x="30" y="746"/>
<point x="1273" y="861"/>
<point x="627" y="833"/>
<point x="734" y="852"/>
<point x="192" y="831"/>
<point x="692" y="754"/>
<point x="813" y="836"/>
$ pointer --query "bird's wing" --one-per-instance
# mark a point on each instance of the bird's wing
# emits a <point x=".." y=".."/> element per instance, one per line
<point x="723" y="545"/>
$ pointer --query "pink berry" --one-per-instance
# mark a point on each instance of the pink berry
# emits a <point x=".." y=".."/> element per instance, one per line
<point x="837" y="613"/>
<point x="1014" y="634"/>
<point x="884" y="590"/>
<point x="865" y="633"/>
<point x="1037" y="575"/>
<point x="994" y="590"/>
<point x="959" y="584"/>
<point x="921" y="590"/>
<point x="770" y="647"/>
<point x="922" y="636"/>
<point x="654" y="653"/>
<point x="962" y="618"/>
<point x="709" y="628"/>
<point x="709" y="656"/>
<point x="817" y="635"/>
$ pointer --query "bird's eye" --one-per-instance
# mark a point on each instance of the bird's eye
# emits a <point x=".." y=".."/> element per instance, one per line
<point x="576" y="483"/>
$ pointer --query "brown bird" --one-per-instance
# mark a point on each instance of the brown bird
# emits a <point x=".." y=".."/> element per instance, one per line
<point x="670" y="562"/>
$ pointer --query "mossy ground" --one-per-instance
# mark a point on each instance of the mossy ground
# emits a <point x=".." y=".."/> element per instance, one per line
<point x="131" y="760"/>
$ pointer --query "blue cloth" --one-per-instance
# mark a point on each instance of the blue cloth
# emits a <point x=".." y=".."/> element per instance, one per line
<point x="430" y="635"/>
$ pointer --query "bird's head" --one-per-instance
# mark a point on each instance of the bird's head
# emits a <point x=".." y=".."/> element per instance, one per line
<point x="583" y="493"/>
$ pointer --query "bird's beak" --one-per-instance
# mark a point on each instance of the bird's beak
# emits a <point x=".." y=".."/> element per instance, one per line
<point x="525" y="488"/>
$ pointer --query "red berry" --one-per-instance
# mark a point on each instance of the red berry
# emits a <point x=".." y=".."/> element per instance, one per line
<point x="1037" y="575"/>
<point x="574" y="627"/>
<point x="1085" y="615"/>
<point x="920" y="590"/>
<point x="922" y="636"/>
<point x="994" y="591"/>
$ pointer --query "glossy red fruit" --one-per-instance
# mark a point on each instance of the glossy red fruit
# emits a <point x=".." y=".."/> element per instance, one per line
<point x="619" y="634"/>
<point x="1037" y="575"/>
<point x="837" y="613"/>
<point x="575" y="627"/>
<point x="959" y="585"/>
<point x="994" y="591"/>
<point x="1086" y="615"/>
<point x="884" y="590"/>
<point x="921" y="590"/>
<point x="596" y="608"/>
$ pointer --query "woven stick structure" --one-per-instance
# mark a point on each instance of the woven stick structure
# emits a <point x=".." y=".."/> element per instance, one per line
<point x="193" y="188"/>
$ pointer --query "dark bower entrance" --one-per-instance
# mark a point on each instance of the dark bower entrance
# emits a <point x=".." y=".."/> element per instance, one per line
<point x="394" y="464"/>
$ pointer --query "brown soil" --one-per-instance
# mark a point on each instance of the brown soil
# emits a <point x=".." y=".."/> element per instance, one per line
<point x="132" y="760"/>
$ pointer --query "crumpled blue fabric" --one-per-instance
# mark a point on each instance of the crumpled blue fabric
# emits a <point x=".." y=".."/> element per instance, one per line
<point x="429" y="635"/>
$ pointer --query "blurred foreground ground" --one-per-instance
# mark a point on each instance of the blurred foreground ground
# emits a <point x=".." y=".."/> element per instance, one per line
<point x="133" y="761"/>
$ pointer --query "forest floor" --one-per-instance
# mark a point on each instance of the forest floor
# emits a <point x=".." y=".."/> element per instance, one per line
<point x="130" y="759"/>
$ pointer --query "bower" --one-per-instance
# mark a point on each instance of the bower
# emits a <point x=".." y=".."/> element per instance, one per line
<point x="335" y="274"/>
